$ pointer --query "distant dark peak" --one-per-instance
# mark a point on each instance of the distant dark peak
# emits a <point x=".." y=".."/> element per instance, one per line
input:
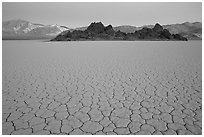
<point x="95" y="24"/>
<point x="109" y="30"/>
<point x="96" y="27"/>
<point x="157" y="27"/>
<point x="109" y="27"/>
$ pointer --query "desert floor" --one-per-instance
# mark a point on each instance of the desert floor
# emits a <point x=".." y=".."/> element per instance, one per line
<point x="101" y="87"/>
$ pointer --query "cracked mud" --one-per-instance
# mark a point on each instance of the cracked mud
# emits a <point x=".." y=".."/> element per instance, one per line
<point x="129" y="88"/>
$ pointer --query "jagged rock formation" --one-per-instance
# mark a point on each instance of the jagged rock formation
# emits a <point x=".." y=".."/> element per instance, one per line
<point x="192" y="31"/>
<point x="97" y="31"/>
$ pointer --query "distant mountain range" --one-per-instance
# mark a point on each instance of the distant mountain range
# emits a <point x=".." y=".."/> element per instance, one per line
<point x="21" y="29"/>
<point x="186" y="29"/>
<point x="97" y="31"/>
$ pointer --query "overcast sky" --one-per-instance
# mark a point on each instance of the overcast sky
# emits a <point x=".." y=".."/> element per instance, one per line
<point x="82" y="14"/>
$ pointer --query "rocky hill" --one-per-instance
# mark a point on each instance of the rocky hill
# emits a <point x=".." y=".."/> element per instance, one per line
<point x="21" y="29"/>
<point x="97" y="31"/>
<point x="192" y="31"/>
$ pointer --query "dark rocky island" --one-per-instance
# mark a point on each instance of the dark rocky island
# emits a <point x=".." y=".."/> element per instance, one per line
<point x="97" y="31"/>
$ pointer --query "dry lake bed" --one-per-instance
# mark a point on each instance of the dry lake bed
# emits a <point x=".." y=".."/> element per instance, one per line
<point x="114" y="87"/>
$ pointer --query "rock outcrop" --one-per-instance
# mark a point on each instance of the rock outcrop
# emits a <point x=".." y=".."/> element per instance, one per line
<point x="191" y="31"/>
<point x="97" y="31"/>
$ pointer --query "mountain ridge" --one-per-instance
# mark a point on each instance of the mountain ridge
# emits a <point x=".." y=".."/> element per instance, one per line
<point x="97" y="31"/>
<point x="22" y="29"/>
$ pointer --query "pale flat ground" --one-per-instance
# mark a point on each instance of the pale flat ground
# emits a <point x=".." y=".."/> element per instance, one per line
<point x="102" y="87"/>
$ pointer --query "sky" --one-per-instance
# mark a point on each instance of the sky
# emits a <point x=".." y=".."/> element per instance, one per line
<point x="82" y="14"/>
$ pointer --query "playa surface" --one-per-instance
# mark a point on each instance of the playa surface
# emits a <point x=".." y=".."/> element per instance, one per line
<point x="102" y="87"/>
